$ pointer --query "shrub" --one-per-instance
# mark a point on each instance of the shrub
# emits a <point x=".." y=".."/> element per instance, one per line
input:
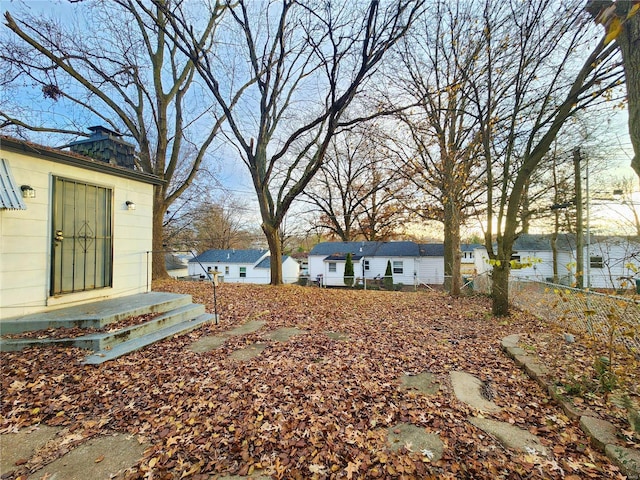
<point x="348" y="271"/>
<point x="388" y="277"/>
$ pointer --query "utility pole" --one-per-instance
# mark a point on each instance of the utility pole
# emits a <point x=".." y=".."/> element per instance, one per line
<point x="579" y="226"/>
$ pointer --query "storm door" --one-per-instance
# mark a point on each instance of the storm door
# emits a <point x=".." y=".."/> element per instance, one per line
<point x="82" y="237"/>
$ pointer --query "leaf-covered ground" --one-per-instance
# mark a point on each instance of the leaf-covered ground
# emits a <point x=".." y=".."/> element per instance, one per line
<point x="313" y="406"/>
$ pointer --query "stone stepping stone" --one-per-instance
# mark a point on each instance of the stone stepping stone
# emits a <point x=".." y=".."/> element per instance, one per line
<point x="424" y="382"/>
<point x="467" y="389"/>
<point x="510" y="436"/>
<point x="626" y="458"/>
<point x="100" y="457"/>
<point x="245" y="328"/>
<point x="206" y="344"/>
<point x="22" y="445"/>
<point x="284" y="334"/>
<point x="337" y="336"/>
<point x="415" y="439"/>
<point x="246" y="354"/>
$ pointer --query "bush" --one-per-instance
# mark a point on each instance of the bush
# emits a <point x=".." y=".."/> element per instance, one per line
<point x="388" y="277"/>
<point x="348" y="271"/>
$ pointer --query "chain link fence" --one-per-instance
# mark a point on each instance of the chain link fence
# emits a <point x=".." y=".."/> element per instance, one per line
<point x="605" y="317"/>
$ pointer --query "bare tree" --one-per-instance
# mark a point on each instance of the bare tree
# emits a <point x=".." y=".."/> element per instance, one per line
<point x="526" y="84"/>
<point x="355" y="192"/>
<point x="441" y="145"/>
<point x="128" y="75"/>
<point x="309" y="61"/>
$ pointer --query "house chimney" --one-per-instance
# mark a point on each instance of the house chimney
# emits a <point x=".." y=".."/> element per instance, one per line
<point x="107" y="146"/>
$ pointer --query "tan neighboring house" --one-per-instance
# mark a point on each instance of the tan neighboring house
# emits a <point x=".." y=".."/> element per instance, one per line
<point x="73" y="229"/>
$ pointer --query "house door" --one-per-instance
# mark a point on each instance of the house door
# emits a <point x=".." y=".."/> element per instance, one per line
<point x="82" y="237"/>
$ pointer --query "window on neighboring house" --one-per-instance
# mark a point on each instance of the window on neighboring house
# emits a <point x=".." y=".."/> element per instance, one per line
<point x="516" y="258"/>
<point x="332" y="267"/>
<point x="596" y="262"/>
<point x="366" y="264"/>
<point x="398" y="267"/>
<point x="243" y="272"/>
<point x="226" y="270"/>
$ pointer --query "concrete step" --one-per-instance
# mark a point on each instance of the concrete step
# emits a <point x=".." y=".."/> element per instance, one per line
<point x="142" y="341"/>
<point x="96" y="314"/>
<point x="101" y="341"/>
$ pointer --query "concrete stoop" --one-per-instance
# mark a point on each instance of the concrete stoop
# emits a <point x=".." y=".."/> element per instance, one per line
<point x="603" y="435"/>
<point x="176" y="314"/>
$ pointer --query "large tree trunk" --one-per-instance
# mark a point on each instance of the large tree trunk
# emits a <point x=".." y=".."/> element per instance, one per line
<point x="500" y="289"/>
<point x="275" y="248"/>
<point x="629" y="41"/>
<point x="452" y="272"/>
<point x="158" y="266"/>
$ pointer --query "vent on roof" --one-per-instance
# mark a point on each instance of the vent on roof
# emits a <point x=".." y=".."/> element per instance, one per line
<point x="107" y="146"/>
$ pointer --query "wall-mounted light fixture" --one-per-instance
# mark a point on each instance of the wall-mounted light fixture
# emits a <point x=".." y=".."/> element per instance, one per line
<point x="28" y="191"/>
<point x="130" y="205"/>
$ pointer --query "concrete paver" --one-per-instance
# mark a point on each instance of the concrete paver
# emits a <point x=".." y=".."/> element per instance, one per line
<point x="251" y="351"/>
<point x="98" y="458"/>
<point x="284" y="334"/>
<point x="15" y="447"/>
<point x="424" y="382"/>
<point x="467" y="389"/>
<point x="416" y="439"/>
<point x="510" y="435"/>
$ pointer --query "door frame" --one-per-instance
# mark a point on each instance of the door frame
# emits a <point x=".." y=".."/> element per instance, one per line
<point x="108" y="254"/>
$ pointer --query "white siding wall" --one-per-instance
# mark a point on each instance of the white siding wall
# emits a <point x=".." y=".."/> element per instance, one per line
<point x="377" y="266"/>
<point x="616" y="255"/>
<point x="254" y="275"/>
<point x="290" y="272"/>
<point x="25" y="238"/>
<point x="431" y="270"/>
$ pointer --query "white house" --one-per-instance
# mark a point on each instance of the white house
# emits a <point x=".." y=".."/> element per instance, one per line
<point x="72" y="229"/>
<point x="467" y="258"/>
<point x="411" y="263"/>
<point x="614" y="262"/>
<point x="607" y="260"/>
<point x="242" y="266"/>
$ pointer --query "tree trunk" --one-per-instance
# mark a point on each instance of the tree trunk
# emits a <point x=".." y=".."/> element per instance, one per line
<point x="629" y="41"/>
<point x="500" y="289"/>
<point x="275" y="248"/>
<point x="158" y="266"/>
<point x="452" y="272"/>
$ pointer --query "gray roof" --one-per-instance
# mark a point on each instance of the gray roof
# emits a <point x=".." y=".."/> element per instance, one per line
<point x="533" y="243"/>
<point x="266" y="262"/>
<point x="229" y="256"/>
<point x="470" y="247"/>
<point x="432" y="250"/>
<point x="339" y="250"/>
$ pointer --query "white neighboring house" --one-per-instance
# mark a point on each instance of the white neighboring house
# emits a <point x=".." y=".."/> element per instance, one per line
<point x="534" y="252"/>
<point x="177" y="264"/>
<point x="411" y="264"/>
<point x="73" y="229"/>
<point x="242" y="266"/>
<point x="607" y="264"/>
<point x="467" y="258"/>
<point x="612" y="261"/>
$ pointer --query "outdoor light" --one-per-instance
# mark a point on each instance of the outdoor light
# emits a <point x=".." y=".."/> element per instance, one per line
<point x="130" y="205"/>
<point x="28" y="191"/>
